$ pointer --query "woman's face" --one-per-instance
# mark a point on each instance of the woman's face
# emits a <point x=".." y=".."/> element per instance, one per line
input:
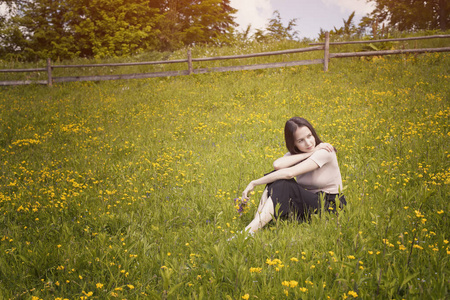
<point x="304" y="140"/>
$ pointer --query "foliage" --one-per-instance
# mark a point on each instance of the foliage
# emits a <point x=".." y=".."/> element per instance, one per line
<point x="188" y="22"/>
<point x="276" y="31"/>
<point x="105" y="28"/>
<point x="125" y="189"/>
<point x="345" y="32"/>
<point x="408" y="15"/>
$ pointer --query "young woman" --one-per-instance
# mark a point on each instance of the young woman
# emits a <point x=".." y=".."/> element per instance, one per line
<point x="315" y="166"/>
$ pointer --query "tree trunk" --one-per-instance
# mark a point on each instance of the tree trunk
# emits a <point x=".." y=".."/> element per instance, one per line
<point x="443" y="14"/>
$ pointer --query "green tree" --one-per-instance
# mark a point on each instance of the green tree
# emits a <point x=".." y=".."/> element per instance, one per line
<point x="113" y="27"/>
<point x="346" y="31"/>
<point x="276" y="31"/>
<point x="412" y="15"/>
<point x="99" y="28"/>
<point x="72" y="28"/>
<point x="188" y="22"/>
<point x="36" y="28"/>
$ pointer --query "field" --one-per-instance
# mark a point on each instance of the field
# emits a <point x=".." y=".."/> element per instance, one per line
<point x="124" y="189"/>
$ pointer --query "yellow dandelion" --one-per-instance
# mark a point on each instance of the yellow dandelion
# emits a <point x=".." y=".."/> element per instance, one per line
<point x="255" y="270"/>
<point x="353" y="294"/>
<point x="293" y="283"/>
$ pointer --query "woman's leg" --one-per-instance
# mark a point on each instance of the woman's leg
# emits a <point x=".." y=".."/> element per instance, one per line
<point x="263" y="215"/>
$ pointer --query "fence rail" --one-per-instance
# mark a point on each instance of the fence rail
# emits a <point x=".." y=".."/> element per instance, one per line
<point x="325" y="47"/>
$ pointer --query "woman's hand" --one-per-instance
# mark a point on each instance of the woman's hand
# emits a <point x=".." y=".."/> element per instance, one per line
<point x="325" y="146"/>
<point x="247" y="190"/>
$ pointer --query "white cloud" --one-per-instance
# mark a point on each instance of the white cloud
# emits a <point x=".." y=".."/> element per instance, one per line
<point x="361" y="7"/>
<point x="254" y="12"/>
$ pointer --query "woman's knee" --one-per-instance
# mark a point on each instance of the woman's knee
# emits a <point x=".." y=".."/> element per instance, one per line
<point x="282" y="182"/>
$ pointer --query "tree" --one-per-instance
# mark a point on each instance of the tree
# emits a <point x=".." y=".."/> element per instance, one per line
<point x="347" y="30"/>
<point x="412" y="15"/>
<point x="71" y="28"/>
<point x="189" y="22"/>
<point x="276" y="31"/>
<point x="36" y="32"/>
<point x="99" y="28"/>
<point x="113" y="27"/>
<point x="349" y="27"/>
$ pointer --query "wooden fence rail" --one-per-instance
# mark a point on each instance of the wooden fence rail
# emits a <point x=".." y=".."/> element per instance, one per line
<point x="190" y="70"/>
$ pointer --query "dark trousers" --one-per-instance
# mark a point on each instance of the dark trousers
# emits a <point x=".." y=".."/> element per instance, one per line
<point x="289" y="198"/>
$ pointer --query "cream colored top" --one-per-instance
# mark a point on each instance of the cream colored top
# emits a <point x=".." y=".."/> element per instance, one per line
<point x="327" y="178"/>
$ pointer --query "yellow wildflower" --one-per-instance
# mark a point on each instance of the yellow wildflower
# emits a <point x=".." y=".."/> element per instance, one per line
<point x="353" y="294"/>
<point x="255" y="270"/>
<point x="293" y="283"/>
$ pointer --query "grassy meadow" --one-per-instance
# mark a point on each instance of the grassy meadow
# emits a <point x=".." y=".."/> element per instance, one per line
<point x="124" y="189"/>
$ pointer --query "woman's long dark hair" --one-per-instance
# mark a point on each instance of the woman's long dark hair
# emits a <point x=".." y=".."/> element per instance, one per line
<point x="289" y="129"/>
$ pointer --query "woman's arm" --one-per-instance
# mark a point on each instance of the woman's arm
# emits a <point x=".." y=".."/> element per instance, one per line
<point x="290" y="160"/>
<point x="286" y="173"/>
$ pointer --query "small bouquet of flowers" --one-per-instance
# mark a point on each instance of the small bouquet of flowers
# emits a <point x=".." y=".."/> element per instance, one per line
<point x="240" y="205"/>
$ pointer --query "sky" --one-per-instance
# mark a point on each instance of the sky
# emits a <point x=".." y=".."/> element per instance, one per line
<point x="311" y="15"/>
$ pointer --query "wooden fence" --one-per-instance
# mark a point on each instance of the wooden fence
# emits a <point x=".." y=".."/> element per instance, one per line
<point x="325" y="47"/>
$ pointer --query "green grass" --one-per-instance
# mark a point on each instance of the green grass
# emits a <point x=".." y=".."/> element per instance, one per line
<point x="125" y="189"/>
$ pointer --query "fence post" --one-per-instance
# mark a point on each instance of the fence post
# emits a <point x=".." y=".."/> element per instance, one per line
<point x="326" y="57"/>
<point x="189" y="57"/>
<point x="49" y="72"/>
